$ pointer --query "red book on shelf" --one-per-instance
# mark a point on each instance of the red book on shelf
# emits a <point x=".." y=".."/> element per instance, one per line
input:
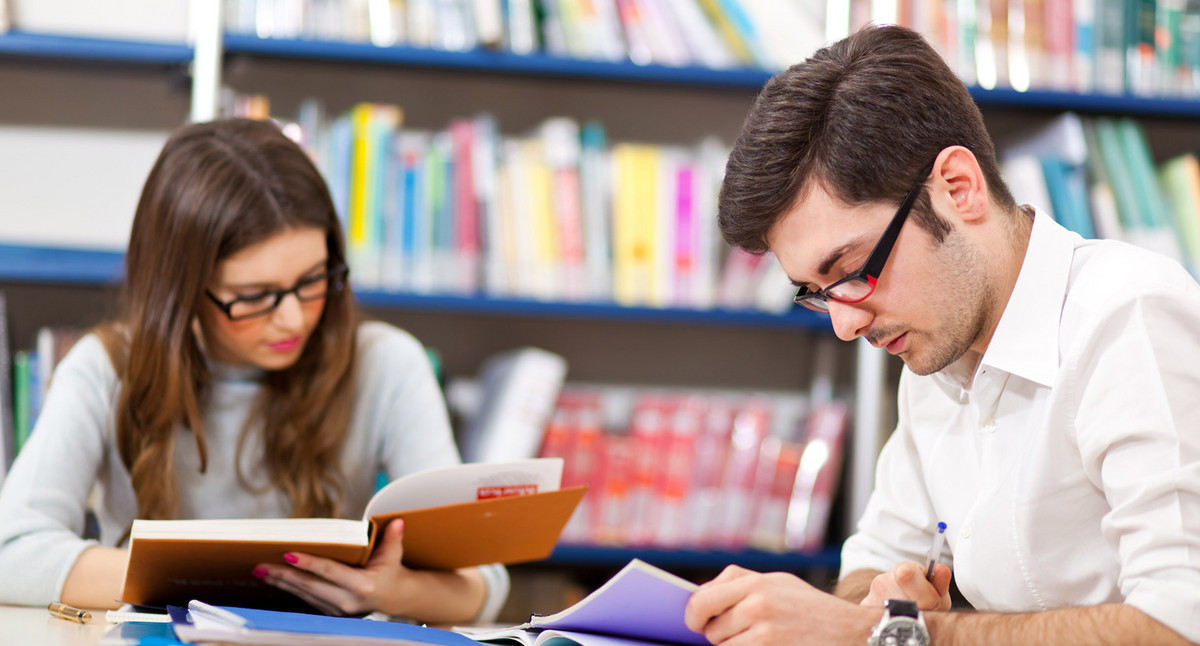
<point x="770" y="522"/>
<point x="467" y="248"/>
<point x="681" y="425"/>
<point x="609" y="507"/>
<point x="817" y="477"/>
<point x="708" y="470"/>
<point x="648" y="451"/>
<point x="749" y="428"/>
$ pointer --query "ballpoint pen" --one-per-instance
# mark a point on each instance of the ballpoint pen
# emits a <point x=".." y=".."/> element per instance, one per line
<point x="934" y="552"/>
<point x="63" y="611"/>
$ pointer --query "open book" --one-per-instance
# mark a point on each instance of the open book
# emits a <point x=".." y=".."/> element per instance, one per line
<point x="639" y="605"/>
<point x="459" y="516"/>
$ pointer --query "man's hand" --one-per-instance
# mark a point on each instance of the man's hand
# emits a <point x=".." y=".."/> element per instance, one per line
<point x="907" y="581"/>
<point x="745" y="608"/>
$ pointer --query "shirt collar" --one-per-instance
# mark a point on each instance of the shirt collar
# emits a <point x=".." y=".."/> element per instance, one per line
<point x="1025" y="343"/>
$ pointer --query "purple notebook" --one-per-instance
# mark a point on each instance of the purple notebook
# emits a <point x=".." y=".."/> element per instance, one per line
<point x="640" y="601"/>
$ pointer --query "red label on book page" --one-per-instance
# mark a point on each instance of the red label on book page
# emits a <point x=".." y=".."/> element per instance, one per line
<point x="504" y="491"/>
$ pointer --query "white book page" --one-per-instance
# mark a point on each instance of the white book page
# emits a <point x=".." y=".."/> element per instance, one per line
<point x="467" y="483"/>
<point x="317" y="530"/>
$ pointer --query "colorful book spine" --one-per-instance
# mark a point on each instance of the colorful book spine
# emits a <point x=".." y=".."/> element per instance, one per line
<point x="465" y="209"/>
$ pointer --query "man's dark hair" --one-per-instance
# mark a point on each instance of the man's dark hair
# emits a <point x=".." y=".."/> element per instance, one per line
<point x="862" y="117"/>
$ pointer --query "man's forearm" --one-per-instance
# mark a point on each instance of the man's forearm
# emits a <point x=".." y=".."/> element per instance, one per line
<point x="855" y="586"/>
<point x="1112" y="624"/>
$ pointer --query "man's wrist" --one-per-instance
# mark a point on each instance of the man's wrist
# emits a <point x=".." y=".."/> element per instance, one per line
<point x="902" y="624"/>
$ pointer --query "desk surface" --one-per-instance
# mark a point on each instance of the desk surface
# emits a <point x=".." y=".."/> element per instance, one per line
<point x="24" y="625"/>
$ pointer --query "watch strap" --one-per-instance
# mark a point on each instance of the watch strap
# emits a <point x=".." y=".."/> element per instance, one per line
<point x="902" y="608"/>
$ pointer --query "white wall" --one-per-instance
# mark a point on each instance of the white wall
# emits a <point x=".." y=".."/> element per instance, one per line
<point x="72" y="187"/>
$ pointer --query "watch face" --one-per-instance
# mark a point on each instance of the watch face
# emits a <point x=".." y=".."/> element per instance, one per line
<point x="902" y="631"/>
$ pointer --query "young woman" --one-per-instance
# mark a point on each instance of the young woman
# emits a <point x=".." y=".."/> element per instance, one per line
<point x="237" y="383"/>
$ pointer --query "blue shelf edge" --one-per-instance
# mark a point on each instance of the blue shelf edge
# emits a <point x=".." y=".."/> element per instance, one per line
<point x="690" y="559"/>
<point x="796" y="318"/>
<point x="33" y="264"/>
<point x="19" y="263"/>
<point x="493" y="61"/>
<point x="1117" y="104"/>
<point x="30" y="44"/>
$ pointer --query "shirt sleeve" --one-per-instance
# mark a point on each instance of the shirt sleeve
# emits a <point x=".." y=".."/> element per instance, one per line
<point x="44" y="499"/>
<point x="1138" y="432"/>
<point x="416" y="426"/>
<point x="898" y="520"/>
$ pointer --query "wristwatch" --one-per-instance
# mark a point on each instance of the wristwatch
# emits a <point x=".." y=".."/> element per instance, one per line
<point x="902" y="625"/>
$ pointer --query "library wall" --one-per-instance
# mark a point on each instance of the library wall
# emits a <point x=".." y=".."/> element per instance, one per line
<point x="101" y="124"/>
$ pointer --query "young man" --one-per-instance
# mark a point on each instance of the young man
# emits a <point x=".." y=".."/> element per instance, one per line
<point x="1048" y="410"/>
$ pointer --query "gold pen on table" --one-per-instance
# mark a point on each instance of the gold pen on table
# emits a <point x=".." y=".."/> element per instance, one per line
<point x="63" y="611"/>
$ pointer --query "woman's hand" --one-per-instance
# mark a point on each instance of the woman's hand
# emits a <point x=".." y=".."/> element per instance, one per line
<point x="383" y="584"/>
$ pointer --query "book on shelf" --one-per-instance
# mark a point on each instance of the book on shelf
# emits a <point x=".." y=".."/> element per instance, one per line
<point x="1180" y="177"/>
<point x="517" y="390"/>
<point x="595" y="197"/>
<point x="8" y="447"/>
<point x="1117" y="47"/>
<point x="558" y="214"/>
<point x="818" y="470"/>
<point x="1046" y="168"/>
<point x="1124" y="154"/>
<point x="700" y="469"/>
<point x="459" y="516"/>
<point x="200" y="622"/>
<point x="707" y="45"/>
<point x="640" y="604"/>
<point x="31" y="373"/>
<point x="1101" y="194"/>
<point x="1110" y="53"/>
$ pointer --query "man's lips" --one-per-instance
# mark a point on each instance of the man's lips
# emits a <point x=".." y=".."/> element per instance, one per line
<point x="893" y="345"/>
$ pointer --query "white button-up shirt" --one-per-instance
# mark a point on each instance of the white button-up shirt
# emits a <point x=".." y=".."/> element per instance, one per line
<point x="1067" y="461"/>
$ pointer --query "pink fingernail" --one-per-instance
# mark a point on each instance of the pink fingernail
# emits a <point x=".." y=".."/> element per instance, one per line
<point x="291" y="558"/>
<point x="260" y="572"/>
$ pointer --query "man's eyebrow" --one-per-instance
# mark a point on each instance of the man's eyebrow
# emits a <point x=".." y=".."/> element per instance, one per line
<point x="834" y="256"/>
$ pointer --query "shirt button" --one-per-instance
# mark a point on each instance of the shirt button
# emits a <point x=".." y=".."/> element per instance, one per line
<point x="989" y="426"/>
<point x="965" y="532"/>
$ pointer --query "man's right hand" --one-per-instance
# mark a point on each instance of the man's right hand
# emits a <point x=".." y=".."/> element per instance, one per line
<point x="907" y="581"/>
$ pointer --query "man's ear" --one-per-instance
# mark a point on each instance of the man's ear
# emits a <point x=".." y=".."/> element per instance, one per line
<point x="958" y="186"/>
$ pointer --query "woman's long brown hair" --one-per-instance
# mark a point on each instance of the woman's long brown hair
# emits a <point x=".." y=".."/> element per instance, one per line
<point x="215" y="189"/>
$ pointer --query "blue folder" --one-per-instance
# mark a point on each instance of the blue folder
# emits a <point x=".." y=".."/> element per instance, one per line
<point x="244" y="621"/>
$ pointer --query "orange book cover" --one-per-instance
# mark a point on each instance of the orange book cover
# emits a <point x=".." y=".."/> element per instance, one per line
<point x="515" y="514"/>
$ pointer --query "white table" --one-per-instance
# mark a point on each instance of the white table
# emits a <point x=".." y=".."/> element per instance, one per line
<point x="25" y="625"/>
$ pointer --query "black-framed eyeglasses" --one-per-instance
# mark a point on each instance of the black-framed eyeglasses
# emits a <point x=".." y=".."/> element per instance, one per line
<point x="306" y="290"/>
<point x="859" y="286"/>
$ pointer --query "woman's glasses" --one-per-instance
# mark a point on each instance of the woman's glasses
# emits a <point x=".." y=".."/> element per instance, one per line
<point x="306" y="290"/>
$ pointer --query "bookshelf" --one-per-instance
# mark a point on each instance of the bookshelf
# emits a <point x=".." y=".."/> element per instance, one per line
<point x="37" y="264"/>
<point x="291" y="69"/>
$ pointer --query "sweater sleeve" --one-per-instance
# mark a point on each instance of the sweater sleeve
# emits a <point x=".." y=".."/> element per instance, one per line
<point x="414" y="431"/>
<point x="45" y="496"/>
